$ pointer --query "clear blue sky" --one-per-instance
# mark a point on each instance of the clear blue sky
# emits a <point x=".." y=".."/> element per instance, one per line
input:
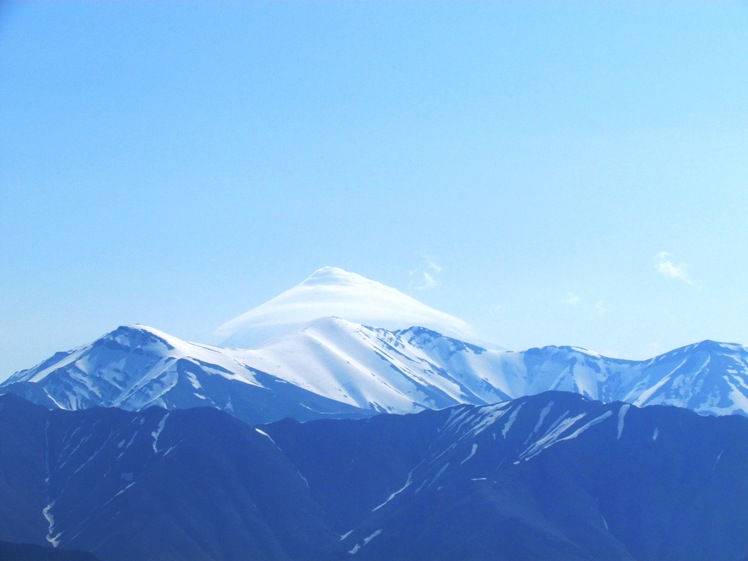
<point x="567" y="172"/>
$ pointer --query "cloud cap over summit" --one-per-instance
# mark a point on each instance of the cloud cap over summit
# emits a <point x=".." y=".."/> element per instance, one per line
<point x="333" y="292"/>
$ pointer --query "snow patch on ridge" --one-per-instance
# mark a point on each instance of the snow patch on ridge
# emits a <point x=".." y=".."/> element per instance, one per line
<point x="586" y="426"/>
<point x="621" y="415"/>
<point x="367" y="539"/>
<point x="396" y="493"/>
<point x="510" y="422"/>
<point x="52" y="537"/>
<point x="472" y="453"/>
<point x="266" y="435"/>
<point x="561" y="425"/>
<point x="156" y="433"/>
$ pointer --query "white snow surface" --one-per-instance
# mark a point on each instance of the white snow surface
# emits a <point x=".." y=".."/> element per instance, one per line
<point x="621" y="416"/>
<point x="156" y="433"/>
<point x="266" y="435"/>
<point x="52" y="537"/>
<point x="331" y="291"/>
<point x="395" y="493"/>
<point x="473" y="450"/>
<point x="377" y="370"/>
<point x="374" y="369"/>
<point x="553" y="425"/>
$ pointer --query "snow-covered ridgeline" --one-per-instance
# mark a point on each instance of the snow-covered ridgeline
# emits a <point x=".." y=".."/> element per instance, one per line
<point x="371" y="369"/>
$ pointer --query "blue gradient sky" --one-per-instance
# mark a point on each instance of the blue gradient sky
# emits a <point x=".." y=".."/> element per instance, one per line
<point x="566" y="172"/>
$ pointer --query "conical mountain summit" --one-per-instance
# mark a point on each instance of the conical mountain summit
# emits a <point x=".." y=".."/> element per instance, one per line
<point x="333" y="292"/>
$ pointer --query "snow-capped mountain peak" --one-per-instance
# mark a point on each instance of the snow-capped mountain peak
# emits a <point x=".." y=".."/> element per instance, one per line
<point x="335" y="367"/>
<point x="331" y="291"/>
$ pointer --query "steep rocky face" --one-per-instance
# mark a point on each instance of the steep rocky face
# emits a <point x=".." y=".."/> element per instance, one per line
<point x="180" y="485"/>
<point x="552" y="476"/>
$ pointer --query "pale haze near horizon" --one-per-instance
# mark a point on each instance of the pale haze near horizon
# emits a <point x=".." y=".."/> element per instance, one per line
<point x="568" y="173"/>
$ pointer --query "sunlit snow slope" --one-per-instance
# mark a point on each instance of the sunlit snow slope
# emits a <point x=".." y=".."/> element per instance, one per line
<point x="137" y="367"/>
<point x="336" y="368"/>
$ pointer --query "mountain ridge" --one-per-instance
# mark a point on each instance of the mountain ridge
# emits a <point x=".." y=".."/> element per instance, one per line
<point x="332" y="367"/>
<point x="555" y="476"/>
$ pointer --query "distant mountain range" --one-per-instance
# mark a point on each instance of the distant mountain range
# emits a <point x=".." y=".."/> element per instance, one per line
<point x="381" y="437"/>
<point x="335" y="368"/>
<point x="548" y="477"/>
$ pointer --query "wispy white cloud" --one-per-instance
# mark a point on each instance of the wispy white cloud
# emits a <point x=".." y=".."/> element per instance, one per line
<point x="426" y="276"/>
<point x="667" y="267"/>
<point x="573" y="300"/>
<point x="433" y="266"/>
